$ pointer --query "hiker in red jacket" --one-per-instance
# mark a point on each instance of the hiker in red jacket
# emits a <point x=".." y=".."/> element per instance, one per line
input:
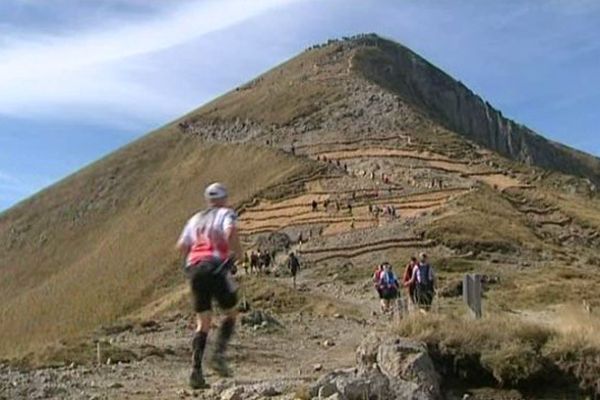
<point x="406" y="279"/>
<point x="376" y="283"/>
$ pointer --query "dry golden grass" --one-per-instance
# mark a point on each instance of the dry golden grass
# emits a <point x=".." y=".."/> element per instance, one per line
<point x="110" y="234"/>
<point x="512" y="350"/>
<point x="484" y="221"/>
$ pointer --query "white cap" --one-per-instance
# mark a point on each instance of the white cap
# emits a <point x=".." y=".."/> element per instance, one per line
<point x="215" y="191"/>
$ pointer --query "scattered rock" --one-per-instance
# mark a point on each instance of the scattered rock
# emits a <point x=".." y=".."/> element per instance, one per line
<point x="327" y="390"/>
<point x="328" y="343"/>
<point x="234" y="393"/>
<point x="317" y="367"/>
<point x="115" y="385"/>
<point x="392" y="368"/>
<point x="260" y="318"/>
<point x="452" y="289"/>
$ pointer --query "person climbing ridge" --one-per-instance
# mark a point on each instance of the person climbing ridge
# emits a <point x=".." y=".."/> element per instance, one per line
<point x="210" y="243"/>
<point x="294" y="266"/>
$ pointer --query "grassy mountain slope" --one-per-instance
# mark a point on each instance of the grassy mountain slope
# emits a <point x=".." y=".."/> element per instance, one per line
<point x="100" y="244"/>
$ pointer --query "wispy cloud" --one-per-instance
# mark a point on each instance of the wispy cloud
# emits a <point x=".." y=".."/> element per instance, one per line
<point x="84" y="70"/>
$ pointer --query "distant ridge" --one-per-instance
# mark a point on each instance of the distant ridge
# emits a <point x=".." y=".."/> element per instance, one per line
<point x="405" y="73"/>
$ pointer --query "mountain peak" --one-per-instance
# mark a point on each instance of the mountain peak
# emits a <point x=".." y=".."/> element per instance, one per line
<point x="312" y="87"/>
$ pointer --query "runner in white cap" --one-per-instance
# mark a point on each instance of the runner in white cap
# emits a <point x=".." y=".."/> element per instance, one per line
<point x="210" y="243"/>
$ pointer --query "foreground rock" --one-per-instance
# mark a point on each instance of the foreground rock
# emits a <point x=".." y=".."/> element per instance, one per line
<point x="386" y="369"/>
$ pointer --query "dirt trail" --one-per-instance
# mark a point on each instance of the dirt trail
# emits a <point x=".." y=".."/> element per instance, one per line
<point x="259" y="356"/>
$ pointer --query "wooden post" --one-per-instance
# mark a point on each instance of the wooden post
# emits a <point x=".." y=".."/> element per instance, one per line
<point x="472" y="293"/>
<point x="98" y="354"/>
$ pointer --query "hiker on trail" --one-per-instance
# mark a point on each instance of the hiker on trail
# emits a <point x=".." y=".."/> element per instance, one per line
<point x="253" y="262"/>
<point x="246" y="263"/>
<point x="260" y="264"/>
<point x="314" y="205"/>
<point x="350" y="208"/>
<point x="377" y="280"/>
<point x="294" y="266"/>
<point x="388" y="284"/>
<point x="424" y="280"/>
<point x="325" y="204"/>
<point x="406" y="278"/>
<point x="266" y="260"/>
<point x="211" y="244"/>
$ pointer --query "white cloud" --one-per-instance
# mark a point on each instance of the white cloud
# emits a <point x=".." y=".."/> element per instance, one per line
<point x="86" y="70"/>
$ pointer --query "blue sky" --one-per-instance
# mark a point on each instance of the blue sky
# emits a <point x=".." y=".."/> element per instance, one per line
<point x="80" y="78"/>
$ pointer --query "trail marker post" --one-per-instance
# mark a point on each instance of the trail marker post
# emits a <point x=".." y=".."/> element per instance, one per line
<point x="472" y="294"/>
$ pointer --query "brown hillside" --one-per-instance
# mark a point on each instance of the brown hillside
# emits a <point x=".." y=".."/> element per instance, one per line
<point x="330" y="125"/>
<point x="100" y="244"/>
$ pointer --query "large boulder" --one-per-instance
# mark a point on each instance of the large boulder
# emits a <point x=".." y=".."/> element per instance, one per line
<point x="393" y="368"/>
<point x="351" y="384"/>
<point x="409" y="368"/>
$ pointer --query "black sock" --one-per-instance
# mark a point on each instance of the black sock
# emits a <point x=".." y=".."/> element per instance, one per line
<point x="225" y="333"/>
<point x="198" y="345"/>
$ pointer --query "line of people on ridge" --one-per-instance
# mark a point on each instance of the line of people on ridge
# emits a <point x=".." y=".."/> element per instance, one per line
<point x="418" y="280"/>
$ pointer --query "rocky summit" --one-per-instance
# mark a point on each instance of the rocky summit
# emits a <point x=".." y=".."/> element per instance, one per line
<point x="353" y="153"/>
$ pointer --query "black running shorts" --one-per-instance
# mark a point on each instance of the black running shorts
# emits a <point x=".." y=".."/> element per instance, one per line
<point x="211" y="280"/>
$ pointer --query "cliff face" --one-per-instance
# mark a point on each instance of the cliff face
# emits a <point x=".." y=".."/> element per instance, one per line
<point x="451" y="103"/>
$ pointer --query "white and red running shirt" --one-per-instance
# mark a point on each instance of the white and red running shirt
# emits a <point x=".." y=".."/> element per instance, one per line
<point x="205" y="235"/>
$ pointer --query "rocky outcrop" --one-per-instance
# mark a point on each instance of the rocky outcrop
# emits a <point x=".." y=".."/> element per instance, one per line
<point x="450" y="102"/>
<point x="393" y="368"/>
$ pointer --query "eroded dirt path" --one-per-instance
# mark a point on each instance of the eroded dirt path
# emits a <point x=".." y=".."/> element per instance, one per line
<point x="307" y="344"/>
